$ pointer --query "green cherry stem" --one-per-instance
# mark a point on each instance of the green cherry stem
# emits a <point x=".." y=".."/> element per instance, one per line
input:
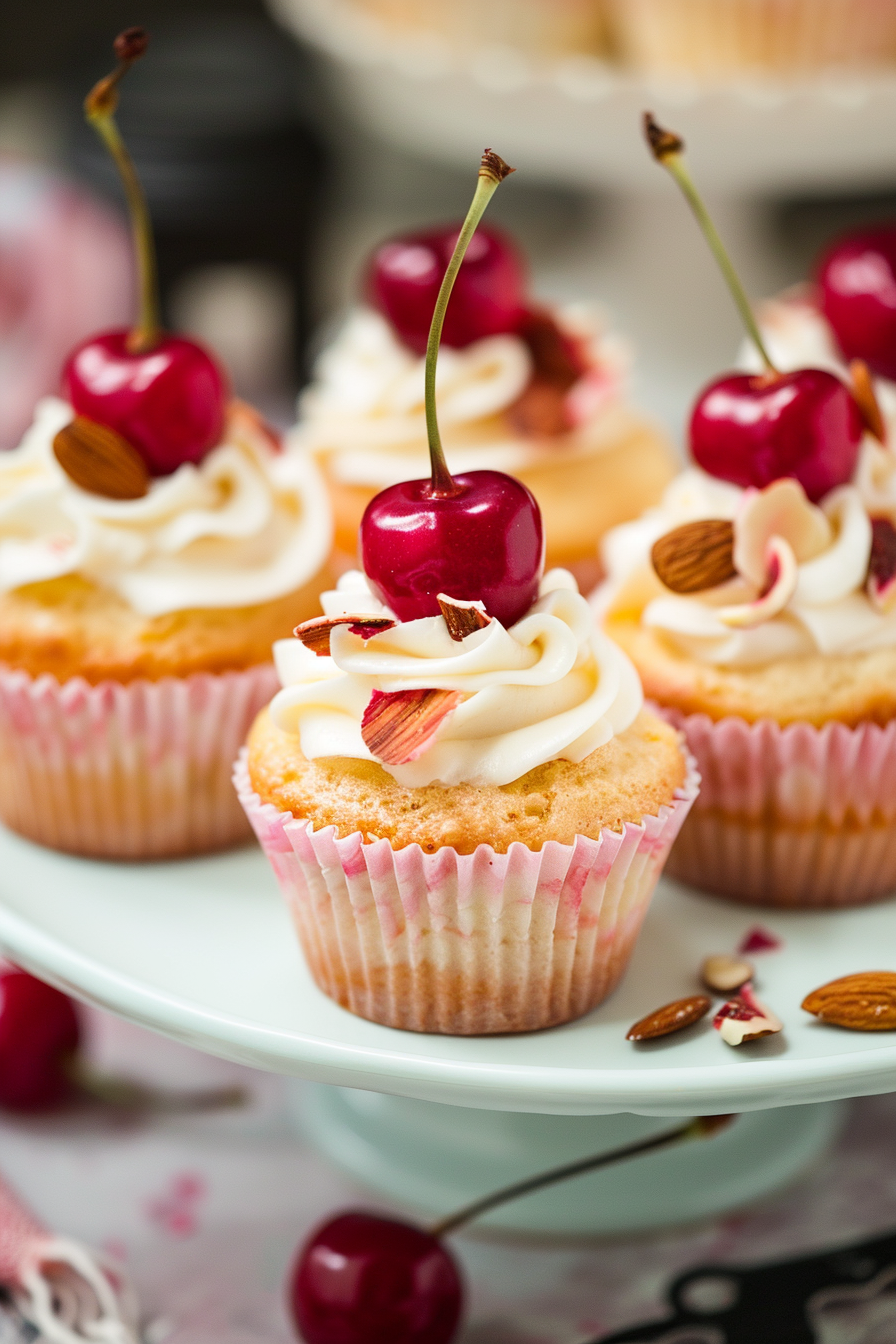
<point x="492" y="172"/>
<point x="668" y="149"/>
<point x="100" y="106"/>
<point x="702" y="1127"/>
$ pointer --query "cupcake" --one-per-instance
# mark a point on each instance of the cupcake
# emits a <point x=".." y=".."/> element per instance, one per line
<point x="536" y="391"/>
<point x="462" y="798"/>
<point x="154" y="539"/>
<point x="719" y="38"/>
<point x="758" y="603"/>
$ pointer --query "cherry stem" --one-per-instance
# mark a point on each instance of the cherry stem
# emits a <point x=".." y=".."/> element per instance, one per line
<point x="702" y="1127"/>
<point x="127" y="1094"/>
<point x="667" y="148"/>
<point x="99" y="108"/>
<point x="492" y="172"/>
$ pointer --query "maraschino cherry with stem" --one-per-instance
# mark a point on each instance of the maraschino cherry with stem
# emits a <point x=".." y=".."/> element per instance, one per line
<point x="752" y="429"/>
<point x="366" y="1279"/>
<point x="857" y="280"/>
<point x="162" y="393"/>
<point x="477" y="536"/>
<point x="489" y="296"/>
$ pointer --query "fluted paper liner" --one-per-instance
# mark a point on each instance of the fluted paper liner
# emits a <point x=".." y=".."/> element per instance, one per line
<point x="794" y="816"/>
<point x="138" y="770"/>
<point x="466" y="944"/>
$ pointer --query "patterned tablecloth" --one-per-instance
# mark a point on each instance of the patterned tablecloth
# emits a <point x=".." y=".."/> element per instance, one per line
<point x="207" y="1210"/>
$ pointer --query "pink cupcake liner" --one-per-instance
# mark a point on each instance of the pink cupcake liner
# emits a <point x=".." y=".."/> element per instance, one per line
<point x="138" y="770"/>
<point x="466" y="944"/>
<point x="795" y="816"/>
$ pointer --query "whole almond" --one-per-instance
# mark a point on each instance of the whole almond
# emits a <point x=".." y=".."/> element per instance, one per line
<point x="696" y="556"/>
<point x="862" y="1002"/>
<point x="724" y="975"/>
<point x="671" y="1017"/>
<point x="101" y="461"/>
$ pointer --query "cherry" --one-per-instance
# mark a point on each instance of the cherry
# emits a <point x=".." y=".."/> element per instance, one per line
<point x="405" y="274"/>
<point x="752" y="429"/>
<point x="363" y="1279"/>
<point x="39" y="1037"/>
<point x="857" y="275"/>
<point x="164" y="394"/>
<point x="476" y="537"/>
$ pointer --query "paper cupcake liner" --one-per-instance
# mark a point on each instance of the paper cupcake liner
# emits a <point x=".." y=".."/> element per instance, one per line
<point x="795" y="816"/>
<point x="466" y="944"/>
<point x="717" y="37"/>
<point x="127" y="771"/>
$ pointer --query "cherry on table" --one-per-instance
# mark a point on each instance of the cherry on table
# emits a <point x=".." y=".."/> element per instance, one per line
<point x="39" y="1036"/>
<point x="365" y="1279"/>
<point x="857" y="278"/>
<point x="405" y="274"/>
<point x="752" y="429"/>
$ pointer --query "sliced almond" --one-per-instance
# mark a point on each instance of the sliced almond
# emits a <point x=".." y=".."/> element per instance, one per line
<point x="398" y="726"/>
<point x="315" y="634"/>
<point x="696" y="556"/>
<point x="671" y="1017"/>
<point x="866" y="399"/>
<point x="724" y="975"/>
<point x="744" y="1019"/>
<point x="880" y="584"/>
<point x="862" y="1002"/>
<point x="101" y="461"/>
<point x="462" y="618"/>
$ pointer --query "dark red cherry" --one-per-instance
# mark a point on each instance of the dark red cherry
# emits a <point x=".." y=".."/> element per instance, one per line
<point x="362" y="1279"/>
<point x="484" y="543"/>
<point x="488" y="296"/>
<point x="169" y="402"/>
<point x="752" y="429"/>
<point x="857" y="276"/>
<point x="39" y="1036"/>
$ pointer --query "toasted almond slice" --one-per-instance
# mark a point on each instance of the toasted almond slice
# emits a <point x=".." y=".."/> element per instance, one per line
<point x="101" y="461"/>
<point x="462" y="618"/>
<point x="866" y="399"/>
<point x="880" y="584"/>
<point x="671" y="1017"/>
<point x="398" y="726"/>
<point x="696" y="556"/>
<point x="315" y="634"/>
<point x="862" y="1002"/>
<point x="744" y="1019"/>
<point x="725" y="975"/>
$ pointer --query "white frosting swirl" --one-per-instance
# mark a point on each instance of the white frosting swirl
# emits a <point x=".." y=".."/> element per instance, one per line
<point x="246" y="525"/>
<point x="364" y="410"/>
<point x="829" y="610"/>
<point x="552" y="687"/>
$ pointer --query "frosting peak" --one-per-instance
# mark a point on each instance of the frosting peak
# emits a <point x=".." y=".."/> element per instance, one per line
<point x="550" y="687"/>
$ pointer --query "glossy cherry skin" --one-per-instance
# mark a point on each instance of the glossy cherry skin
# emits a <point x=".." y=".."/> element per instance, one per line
<point x="487" y="300"/>
<point x="169" y="403"/>
<point x="362" y="1279"/>
<point x="39" y="1034"/>
<point x="857" y="276"/>
<point x="752" y="429"/>
<point x="486" y="543"/>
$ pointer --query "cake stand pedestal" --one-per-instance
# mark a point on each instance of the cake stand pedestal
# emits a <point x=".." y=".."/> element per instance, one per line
<point x="202" y="951"/>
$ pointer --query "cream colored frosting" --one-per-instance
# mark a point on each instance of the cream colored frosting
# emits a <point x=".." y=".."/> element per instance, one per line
<point x="247" y="525"/>
<point x="822" y="605"/>
<point x="552" y="687"/>
<point x="364" y="410"/>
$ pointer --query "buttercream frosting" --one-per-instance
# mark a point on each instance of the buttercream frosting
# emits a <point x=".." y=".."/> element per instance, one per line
<point x="246" y="525"/>
<point x="551" y="687"/>
<point x="825" y="607"/>
<point x="364" y="409"/>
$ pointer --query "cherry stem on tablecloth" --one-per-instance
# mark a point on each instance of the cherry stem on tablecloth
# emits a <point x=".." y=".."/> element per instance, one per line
<point x="492" y="172"/>
<point x="668" y="149"/>
<point x="126" y="1094"/>
<point x="100" y="106"/>
<point x="702" y="1127"/>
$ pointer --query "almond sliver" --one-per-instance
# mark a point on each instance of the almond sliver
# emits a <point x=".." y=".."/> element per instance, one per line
<point x="315" y="634"/>
<point x="398" y="726"/>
